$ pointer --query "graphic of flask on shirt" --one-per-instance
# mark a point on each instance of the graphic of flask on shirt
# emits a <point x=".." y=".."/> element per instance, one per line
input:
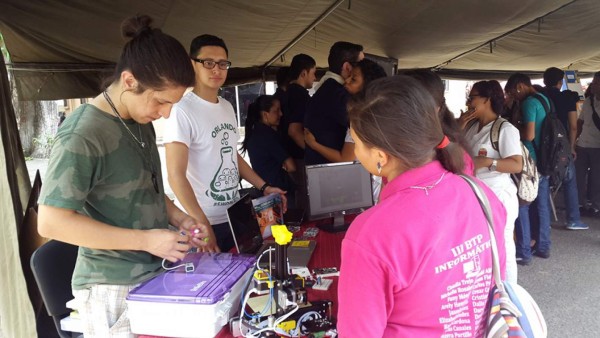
<point x="223" y="186"/>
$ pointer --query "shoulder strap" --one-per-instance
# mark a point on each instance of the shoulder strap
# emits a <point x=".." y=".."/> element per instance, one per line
<point x="495" y="132"/>
<point x="549" y="109"/>
<point x="595" y="116"/>
<point x="487" y="210"/>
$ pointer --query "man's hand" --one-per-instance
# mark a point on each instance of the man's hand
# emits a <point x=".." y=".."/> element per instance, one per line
<point x="269" y="190"/>
<point x="201" y="235"/>
<point x="166" y="244"/>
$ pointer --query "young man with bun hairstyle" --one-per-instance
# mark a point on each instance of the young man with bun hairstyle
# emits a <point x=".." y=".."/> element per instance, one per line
<point x="103" y="189"/>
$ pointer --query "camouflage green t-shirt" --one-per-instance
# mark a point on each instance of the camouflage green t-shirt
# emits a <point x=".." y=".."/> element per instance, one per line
<point x="98" y="169"/>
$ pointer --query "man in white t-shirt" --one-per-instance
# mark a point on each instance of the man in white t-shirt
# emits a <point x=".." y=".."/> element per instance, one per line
<point x="201" y="136"/>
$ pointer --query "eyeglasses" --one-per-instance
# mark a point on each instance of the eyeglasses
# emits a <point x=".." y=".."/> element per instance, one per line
<point x="471" y="97"/>
<point x="210" y="64"/>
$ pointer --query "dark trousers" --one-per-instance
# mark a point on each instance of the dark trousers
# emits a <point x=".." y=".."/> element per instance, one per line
<point x="587" y="168"/>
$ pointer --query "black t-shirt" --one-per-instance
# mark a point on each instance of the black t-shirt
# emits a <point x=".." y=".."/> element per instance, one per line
<point x="564" y="102"/>
<point x="267" y="155"/>
<point x="296" y="109"/>
<point x="327" y="118"/>
<point x="282" y="96"/>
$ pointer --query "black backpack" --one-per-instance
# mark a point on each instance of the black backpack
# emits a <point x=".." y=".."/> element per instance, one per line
<point x="553" y="150"/>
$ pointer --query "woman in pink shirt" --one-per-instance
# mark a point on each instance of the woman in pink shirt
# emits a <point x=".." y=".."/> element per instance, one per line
<point x="419" y="263"/>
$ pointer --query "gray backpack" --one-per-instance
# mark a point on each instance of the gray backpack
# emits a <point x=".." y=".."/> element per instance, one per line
<point x="528" y="180"/>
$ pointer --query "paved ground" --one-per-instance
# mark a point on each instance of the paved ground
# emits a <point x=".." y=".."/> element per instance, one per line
<point x="566" y="286"/>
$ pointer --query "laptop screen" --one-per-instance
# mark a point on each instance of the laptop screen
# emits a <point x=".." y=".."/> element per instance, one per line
<point x="244" y="226"/>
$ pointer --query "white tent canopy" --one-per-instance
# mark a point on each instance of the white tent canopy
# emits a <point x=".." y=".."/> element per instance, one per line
<point x="63" y="49"/>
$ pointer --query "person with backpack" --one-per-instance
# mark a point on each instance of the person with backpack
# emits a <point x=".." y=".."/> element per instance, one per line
<point x="534" y="113"/>
<point x="496" y="159"/>
<point x="565" y="103"/>
<point x="588" y="151"/>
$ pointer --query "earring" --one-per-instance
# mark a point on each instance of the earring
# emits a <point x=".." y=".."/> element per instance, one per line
<point x="378" y="168"/>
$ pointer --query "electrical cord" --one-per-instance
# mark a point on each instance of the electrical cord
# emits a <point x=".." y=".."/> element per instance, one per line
<point x="189" y="267"/>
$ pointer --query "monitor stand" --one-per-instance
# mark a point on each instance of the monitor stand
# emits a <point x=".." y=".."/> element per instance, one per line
<point x="338" y="224"/>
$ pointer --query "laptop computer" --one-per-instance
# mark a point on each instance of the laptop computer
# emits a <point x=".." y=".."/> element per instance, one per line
<point x="247" y="237"/>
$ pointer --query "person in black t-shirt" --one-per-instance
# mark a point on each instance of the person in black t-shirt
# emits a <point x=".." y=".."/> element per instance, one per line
<point x="565" y="104"/>
<point x="302" y="75"/>
<point x="265" y="147"/>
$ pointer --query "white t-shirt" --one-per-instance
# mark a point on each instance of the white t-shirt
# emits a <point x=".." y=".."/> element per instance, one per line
<point x="348" y="138"/>
<point x="480" y="144"/>
<point x="209" y="130"/>
<point x="590" y="135"/>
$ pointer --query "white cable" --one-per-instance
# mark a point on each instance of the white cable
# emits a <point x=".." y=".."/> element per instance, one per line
<point x="275" y="324"/>
<point x="171" y="268"/>
<point x="259" y="258"/>
<point x="253" y="290"/>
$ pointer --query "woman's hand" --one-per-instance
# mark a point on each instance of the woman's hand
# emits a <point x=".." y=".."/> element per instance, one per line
<point x="466" y="117"/>
<point x="269" y="190"/>
<point x="309" y="138"/>
<point x="482" y="161"/>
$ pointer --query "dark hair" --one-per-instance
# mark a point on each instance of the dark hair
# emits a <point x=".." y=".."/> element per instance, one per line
<point x="515" y="79"/>
<point x="341" y="52"/>
<point x="282" y="77"/>
<point x="552" y="75"/>
<point x="435" y="86"/>
<point x="154" y="58"/>
<point x="371" y="71"/>
<point x="262" y="103"/>
<point x="206" y="40"/>
<point x="491" y="90"/>
<point x="299" y="63"/>
<point x="399" y="116"/>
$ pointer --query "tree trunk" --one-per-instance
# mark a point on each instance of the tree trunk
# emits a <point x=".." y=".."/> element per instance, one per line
<point x="38" y="126"/>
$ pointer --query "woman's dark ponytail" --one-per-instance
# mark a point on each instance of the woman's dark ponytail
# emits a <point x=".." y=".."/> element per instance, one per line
<point x="262" y="103"/>
<point x="451" y="157"/>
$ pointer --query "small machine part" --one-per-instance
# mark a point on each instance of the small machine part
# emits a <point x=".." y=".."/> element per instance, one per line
<point x="322" y="284"/>
<point x="326" y="272"/>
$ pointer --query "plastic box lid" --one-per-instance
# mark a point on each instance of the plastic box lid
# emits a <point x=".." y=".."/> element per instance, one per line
<point x="213" y="276"/>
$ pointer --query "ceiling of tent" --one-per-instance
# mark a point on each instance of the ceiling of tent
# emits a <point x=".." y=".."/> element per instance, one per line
<point x="63" y="49"/>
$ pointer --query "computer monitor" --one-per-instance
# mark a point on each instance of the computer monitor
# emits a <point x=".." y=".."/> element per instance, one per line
<point x="337" y="189"/>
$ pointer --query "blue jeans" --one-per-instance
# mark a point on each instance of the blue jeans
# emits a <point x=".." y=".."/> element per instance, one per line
<point x="539" y="220"/>
<point x="523" y="233"/>
<point x="571" y="196"/>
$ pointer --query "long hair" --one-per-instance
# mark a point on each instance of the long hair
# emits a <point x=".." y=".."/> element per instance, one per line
<point x="398" y="116"/>
<point x="435" y="86"/>
<point x="262" y="103"/>
<point x="492" y="90"/>
<point x="154" y="58"/>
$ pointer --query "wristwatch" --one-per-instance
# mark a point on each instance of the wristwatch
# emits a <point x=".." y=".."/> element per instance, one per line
<point x="494" y="165"/>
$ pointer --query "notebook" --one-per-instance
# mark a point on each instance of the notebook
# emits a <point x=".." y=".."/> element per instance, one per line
<point x="247" y="237"/>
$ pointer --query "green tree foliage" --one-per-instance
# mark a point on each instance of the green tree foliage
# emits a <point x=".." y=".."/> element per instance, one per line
<point x="4" y="50"/>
